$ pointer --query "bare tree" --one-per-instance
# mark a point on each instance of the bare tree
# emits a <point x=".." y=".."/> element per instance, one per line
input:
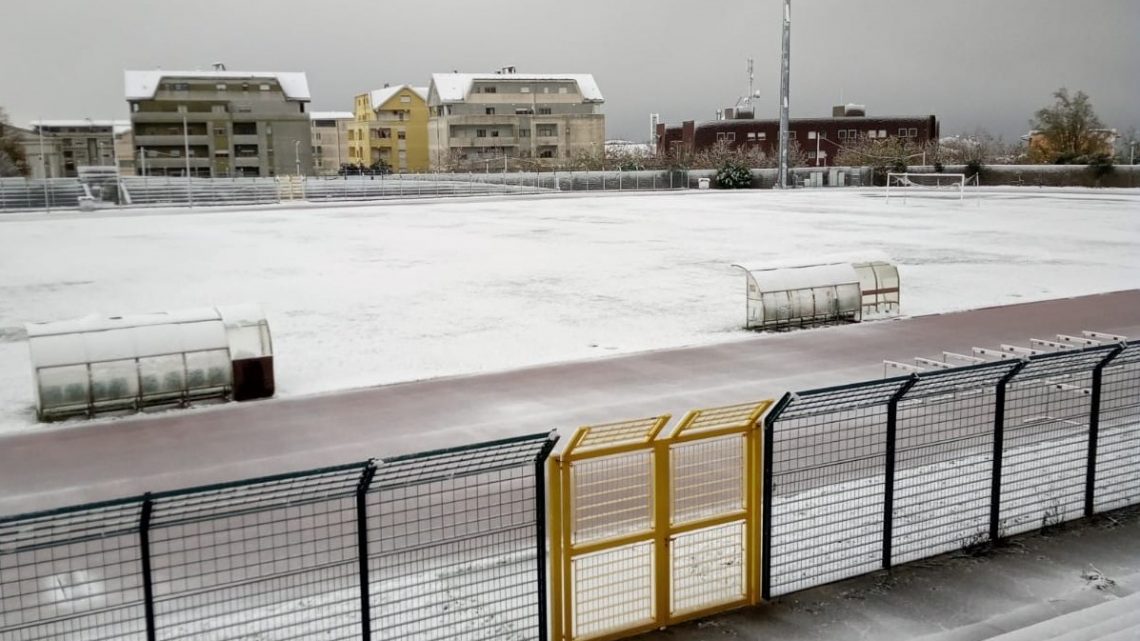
<point x="13" y="161"/>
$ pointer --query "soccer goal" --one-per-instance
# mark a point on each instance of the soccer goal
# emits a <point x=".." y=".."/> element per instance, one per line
<point x="929" y="185"/>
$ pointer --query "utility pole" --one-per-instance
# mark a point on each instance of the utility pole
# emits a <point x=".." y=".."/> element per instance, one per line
<point x="44" y="161"/>
<point x="785" y="73"/>
<point x="186" y="149"/>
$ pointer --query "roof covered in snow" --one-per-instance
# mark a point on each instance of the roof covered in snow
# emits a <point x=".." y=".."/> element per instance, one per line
<point x="381" y="96"/>
<point x="117" y="125"/>
<point x="330" y="115"/>
<point x="141" y="85"/>
<point x="454" y="87"/>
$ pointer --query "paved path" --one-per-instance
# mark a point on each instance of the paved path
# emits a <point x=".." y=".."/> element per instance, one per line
<point x="55" y="466"/>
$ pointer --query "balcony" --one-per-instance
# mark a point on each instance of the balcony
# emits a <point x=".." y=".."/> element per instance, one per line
<point x="489" y="141"/>
<point x="170" y="140"/>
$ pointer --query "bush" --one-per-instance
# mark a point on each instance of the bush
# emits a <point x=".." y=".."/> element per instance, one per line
<point x="974" y="168"/>
<point x="939" y="167"/>
<point x="1100" y="166"/>
<point x="733" y="174"/>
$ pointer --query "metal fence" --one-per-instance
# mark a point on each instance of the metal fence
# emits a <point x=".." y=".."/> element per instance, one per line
<point x="27" y="193"/>
<point x="648" y="528"/>
<point x="439" y="545"/>
<point x="863" y="476"/>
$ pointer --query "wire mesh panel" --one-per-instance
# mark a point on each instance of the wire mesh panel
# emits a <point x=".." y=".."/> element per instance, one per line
<point x="613" y="589"/>
<point x="944" y="461"/>
<point x="72" y="574"/>
<point x="267" y="559"/>
<point x="826" y="452"/>
<point x="1118" y="455"/>
<point x="612" y="496"/>
<point x="452" y="543"/>
<point x="1046" y="447"/>
<point x="708" y="567"/>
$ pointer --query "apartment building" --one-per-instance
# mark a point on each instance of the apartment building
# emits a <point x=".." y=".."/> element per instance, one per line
<point x="76" y="143"/>
<point x="390" y="127"/>
<point x="330" y="141"/>
<point x="234" y="123"/>
<point x="479" y="118"/>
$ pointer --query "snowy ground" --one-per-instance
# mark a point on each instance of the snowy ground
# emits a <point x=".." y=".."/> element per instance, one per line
<point x="392" y="292"/>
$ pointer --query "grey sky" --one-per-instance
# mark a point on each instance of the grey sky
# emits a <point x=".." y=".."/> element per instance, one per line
<point x="973" y="63"/>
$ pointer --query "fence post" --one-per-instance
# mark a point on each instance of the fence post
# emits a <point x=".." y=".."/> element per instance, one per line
<point x="362" y="548"/>
<point x="889" y="472"/>
<point x="144" y="556"/>
<point x="1094" y="432"/>
<point x="999" y="443"/>
<point x="540" y="530"/>
<point x="766" y="500"/>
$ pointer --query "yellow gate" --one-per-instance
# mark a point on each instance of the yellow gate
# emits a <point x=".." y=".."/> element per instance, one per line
<point x="648" y="529"/>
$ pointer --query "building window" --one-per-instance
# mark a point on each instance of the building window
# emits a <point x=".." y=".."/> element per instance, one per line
<point x="547" y="131"/>
<point x="764" y="136"/>
<point x="494" y="133"/>
<point x="401" y="135"/>
<point x="752" y="135"/>
<point x="562" y="90"/>
<point x="263" y="87"/>
<point x="871" y="134"/>
<point x="490" y="89"/>
<point x="811" y="155"/>
<point x="480" y="133"/>
<point x="490" y="111"/>
<point x="730" y="136"/>
<point x="405" y="98"/>
<point x="842" y="134"/>
<point x="524" y="132"/>
<point x="544" y="111"/>
<point x="882" y="133"/>
<point x="221" y="131"/>
<point x="913" y="132"/>
<point x="811" y="135"/>
<point x="902" y="132"/>
<point x="524" y="89"/>
<point x="524" y="112"/>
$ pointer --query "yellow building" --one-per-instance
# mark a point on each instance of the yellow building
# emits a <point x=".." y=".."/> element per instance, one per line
<point x="390" y="126"/>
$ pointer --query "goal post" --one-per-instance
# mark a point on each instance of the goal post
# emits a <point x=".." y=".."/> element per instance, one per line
<point x="944" y="185"/>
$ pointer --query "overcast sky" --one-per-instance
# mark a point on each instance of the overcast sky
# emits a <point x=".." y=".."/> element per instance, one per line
<point x="973" y="63"/>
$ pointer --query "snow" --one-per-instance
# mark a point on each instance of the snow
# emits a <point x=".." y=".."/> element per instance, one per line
<point x="454" y="87"/>
<point x="331" y="115"/>
<point x="142" y="85"/>
<point x="381" y="96"/>
<point x="397" y="291"/>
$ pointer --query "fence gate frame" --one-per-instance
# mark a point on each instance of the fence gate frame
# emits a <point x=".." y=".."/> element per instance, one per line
<point x="648" y="437"/>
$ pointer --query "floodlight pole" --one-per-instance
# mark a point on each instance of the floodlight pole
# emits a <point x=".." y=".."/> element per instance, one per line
<point x="785" y="73"/>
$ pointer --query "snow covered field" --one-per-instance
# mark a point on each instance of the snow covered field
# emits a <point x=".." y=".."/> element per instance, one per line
<point x="392" y="292"/>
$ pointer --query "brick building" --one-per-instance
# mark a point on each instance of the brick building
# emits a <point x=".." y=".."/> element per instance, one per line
<point x="820" y="139"/>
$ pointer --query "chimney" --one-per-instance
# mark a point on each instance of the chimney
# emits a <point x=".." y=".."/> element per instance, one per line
<point x="838" y="111"/>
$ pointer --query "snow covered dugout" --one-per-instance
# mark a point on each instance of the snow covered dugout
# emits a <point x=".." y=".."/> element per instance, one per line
<point x="813" y="294"/>
<point x="91" y="365"/>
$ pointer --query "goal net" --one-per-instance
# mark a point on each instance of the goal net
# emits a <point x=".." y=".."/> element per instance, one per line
<point x="936" y="185"/>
